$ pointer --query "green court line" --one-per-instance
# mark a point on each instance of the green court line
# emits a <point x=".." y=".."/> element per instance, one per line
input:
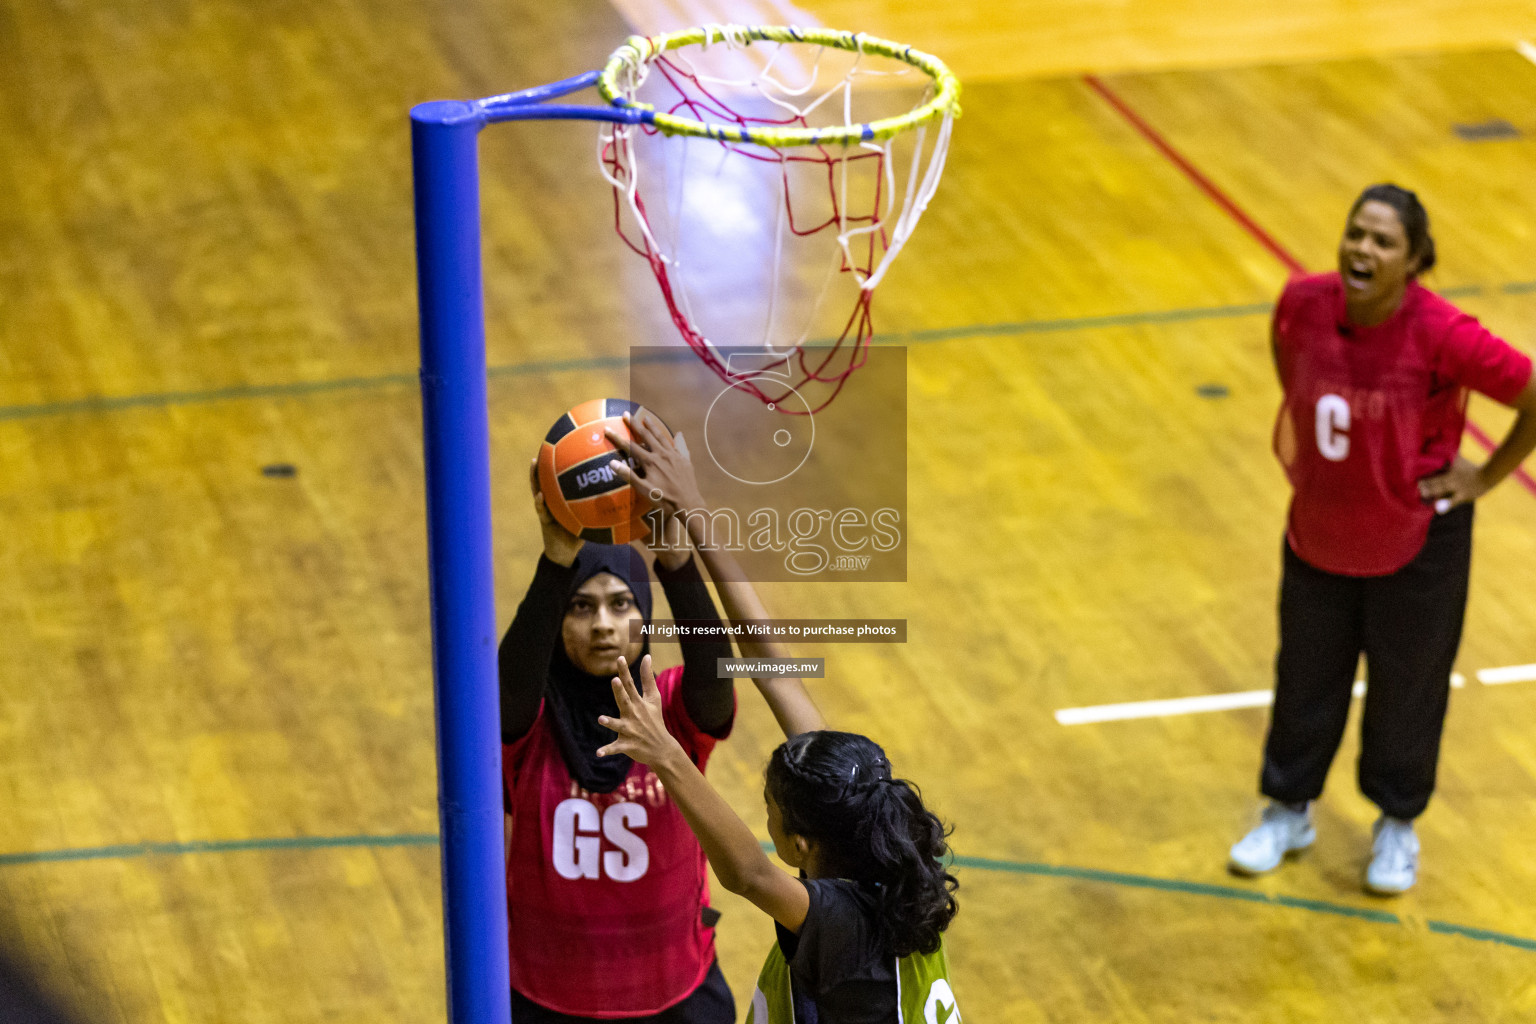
<point x="215" y="846"/>
<point x="1442" y="928"/>
<point x="1227" y="892"/>
<point x="394" y="380"/>
<point x="165" y="398"/>
<point x="1172" y="885"/>
<point x="619" y="362"/>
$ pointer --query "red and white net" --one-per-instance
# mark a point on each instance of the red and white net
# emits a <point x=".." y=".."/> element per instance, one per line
<point x="773" y="250"/>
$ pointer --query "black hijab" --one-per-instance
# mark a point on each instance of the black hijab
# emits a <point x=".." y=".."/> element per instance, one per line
<point x="575" y="698"/>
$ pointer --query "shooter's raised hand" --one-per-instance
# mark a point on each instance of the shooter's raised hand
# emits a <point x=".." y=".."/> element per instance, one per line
<point x="560" y="544"/>
<point x="642" y="733"/>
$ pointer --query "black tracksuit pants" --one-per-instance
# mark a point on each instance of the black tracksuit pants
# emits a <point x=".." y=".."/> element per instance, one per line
<point x="1408" y="626"/>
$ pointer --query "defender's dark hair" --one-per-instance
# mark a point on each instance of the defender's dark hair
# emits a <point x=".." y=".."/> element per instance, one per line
<point x="836" y="788"/>
<point x="1414" y="218"/>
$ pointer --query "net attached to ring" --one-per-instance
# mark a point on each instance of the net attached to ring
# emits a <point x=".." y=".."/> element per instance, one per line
<point x="779" y="173"/>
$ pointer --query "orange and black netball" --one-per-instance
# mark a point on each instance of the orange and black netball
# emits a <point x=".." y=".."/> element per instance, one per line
<point x="580" y="489"/>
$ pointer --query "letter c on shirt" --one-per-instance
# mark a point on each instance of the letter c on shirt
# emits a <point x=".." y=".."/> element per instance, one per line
<point x="1333" y="428"/>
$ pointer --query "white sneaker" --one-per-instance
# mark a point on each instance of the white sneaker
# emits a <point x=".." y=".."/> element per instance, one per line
<point x="1394" y="857"/>
<point x="1281" y="831"/>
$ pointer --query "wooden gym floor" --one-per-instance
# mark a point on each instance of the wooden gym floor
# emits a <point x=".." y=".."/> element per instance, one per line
<point x="216" y="741"/>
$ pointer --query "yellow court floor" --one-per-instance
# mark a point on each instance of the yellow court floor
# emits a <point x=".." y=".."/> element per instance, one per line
<point x="217" y="764"/>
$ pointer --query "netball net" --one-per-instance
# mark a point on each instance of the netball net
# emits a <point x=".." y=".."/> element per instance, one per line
<point x="774" y="187"/>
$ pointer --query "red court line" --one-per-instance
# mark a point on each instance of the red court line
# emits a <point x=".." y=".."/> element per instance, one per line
<point x="1205" y="184"/>
<point x="1221" y="199"/>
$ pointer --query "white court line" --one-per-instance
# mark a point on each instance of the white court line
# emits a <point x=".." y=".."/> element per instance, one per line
<point x="1163" y="708"/>
<point x="1210" y="702"/>
<point x="1510" y="674"/>
<point x="1526" y="50"/>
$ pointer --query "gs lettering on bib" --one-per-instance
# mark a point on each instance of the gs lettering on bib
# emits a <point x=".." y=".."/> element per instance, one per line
<point x="577" y="848"/>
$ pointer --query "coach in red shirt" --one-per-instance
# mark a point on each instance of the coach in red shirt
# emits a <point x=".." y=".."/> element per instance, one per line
<point x="1376" y="371"/>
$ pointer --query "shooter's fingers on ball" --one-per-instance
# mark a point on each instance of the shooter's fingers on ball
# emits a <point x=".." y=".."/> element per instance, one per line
<point x="637" y="454"/>
<point x="650" y="490"/>
<point x="622" y="470"/>
<point x="636" y="428"/>
<point x="619" y="441"/>
<point x="645" y="428"/>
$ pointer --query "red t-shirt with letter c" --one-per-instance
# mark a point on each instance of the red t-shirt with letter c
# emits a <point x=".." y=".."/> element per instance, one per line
<point x="1369" y="411"/>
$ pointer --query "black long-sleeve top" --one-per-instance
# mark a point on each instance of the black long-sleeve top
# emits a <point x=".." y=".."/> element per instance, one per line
<point x="523" y="657"/>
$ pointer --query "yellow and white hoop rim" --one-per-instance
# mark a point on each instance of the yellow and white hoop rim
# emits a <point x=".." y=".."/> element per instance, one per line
<point x="638" y="50"/>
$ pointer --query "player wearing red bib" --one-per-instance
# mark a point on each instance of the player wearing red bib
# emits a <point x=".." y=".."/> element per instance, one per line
<point x="1375" y="372"/>
<point x="608" y="900"/>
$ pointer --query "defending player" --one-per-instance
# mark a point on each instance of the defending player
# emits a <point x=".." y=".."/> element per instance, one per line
<point x="860" y="932"/>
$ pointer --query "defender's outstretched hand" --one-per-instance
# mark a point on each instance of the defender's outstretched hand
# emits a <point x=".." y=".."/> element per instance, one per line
<point x="642" y="733"/>
<point x="654" y="475"/>
<point x="732" y="849"/>
<point x="663" y="472"/>
<point x="665" y="476"/>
